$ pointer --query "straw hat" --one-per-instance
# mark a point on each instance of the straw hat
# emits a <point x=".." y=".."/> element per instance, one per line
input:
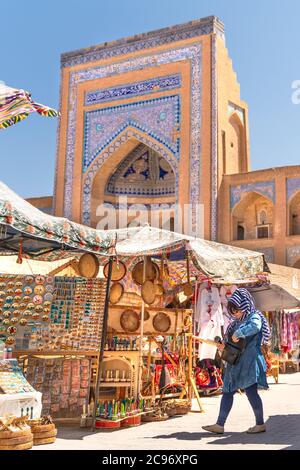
<point x="116" y="292"/>
<point x="130" y="321"/>
<point x="146" y="315"/>
<point x="161" y="322"/>
<point x="151" y="271"/>
<point x="88" y="265"/>
<point x="118" y="270"/>
<point x="148" y="292"/>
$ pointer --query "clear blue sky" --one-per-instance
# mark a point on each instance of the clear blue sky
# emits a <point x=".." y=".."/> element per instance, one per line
<point x="263" y="38"/>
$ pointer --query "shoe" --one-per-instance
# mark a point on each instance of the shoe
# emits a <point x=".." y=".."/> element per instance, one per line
<point x="256" y="429"/>
<point x="215" y="428"/>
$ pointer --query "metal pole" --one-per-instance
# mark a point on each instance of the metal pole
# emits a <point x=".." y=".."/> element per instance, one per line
<point x="103" y="341"/>
<point x="142" y="335"/>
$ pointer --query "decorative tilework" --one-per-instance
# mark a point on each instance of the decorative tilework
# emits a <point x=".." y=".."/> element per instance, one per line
<point x="265" y="188"/>
<point x="133" y="89"/>
<point x="144" y="41"/>
<point x="292" y="254"/>
<point x="105" y="154"/>
<point x="153" y="207"/>
<point x="292" y="186"/>
<point x="142" y="173"/>
<point x="214" y="145"/>
<point x="141" y="115"/>
<point x="268" y="252"/>
<point x="191" y="53"/>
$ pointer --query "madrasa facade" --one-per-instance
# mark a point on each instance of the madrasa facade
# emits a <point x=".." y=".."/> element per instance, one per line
<point x="155" y="123"/>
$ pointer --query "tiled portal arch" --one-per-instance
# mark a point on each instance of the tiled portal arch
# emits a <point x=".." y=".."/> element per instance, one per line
<point x="103" y="157"/>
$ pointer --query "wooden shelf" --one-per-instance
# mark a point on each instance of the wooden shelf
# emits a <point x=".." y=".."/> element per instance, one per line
<point x="115" y="384"/>
<point x="54" y="353"/>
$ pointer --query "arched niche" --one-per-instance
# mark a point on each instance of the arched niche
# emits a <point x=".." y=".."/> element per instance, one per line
<point x="253" y="217"/>
<point x="236" y="146"/>
<point x="125" y="174"/>
<point x="294" y="215"/>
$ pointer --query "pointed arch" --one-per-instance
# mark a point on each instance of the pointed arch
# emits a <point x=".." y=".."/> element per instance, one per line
<point x="247" y="213"/>
<point x="236" y="154"/>
<point x="111" y="156"/>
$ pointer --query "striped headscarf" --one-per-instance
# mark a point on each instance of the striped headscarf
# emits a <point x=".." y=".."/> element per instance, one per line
<point x="242" y="300"/>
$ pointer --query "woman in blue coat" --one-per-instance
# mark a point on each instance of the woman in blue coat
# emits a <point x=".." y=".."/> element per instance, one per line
<point x="250" y="371"/>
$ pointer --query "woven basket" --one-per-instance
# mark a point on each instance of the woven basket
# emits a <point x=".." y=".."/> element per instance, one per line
<point x="152" y="418"/>
<point x="177" y="407"/>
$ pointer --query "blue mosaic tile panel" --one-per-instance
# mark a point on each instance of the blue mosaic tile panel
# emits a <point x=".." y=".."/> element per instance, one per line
<point x="292" y="186"/>
<point x="265" y="188"/>
<point x="133" y="89"/>
<point x="159" y="118"/>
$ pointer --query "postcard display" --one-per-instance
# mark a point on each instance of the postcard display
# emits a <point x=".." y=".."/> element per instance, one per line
<point x="17" y="396"/>
<point x="60" y="314"/>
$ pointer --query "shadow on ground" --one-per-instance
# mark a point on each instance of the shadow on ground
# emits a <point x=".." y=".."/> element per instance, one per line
<point x="282" y="430"/>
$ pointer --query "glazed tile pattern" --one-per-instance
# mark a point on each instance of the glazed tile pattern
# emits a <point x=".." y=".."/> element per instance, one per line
<point x="268" y="252"/>
<point x="214" y="150"/>
<point x="133" y="89"/>
<point x="292" y="186"/>
<point x="292" y="255"/>
<point x="191" y="53"/>
<point x="265" y="188"/>
<point x="90" y="174"/>
<point x="158" y="118"/>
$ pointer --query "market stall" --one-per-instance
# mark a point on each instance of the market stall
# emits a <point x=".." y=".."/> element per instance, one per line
<point x="110" y="345"/>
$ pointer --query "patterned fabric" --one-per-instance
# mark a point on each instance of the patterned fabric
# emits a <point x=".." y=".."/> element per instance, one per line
<point x="243" y="300"/>
<point x="16" y="105"/>
<point x="23" y="217"/>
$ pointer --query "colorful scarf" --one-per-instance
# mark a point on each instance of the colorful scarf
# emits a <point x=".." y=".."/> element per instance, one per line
<point x="243" y="301"/>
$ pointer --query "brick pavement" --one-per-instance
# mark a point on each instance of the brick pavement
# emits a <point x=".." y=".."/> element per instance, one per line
<point x="282" y="415"/>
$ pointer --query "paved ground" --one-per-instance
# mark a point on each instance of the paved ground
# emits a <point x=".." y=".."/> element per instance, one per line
<point x="282" y="414"/>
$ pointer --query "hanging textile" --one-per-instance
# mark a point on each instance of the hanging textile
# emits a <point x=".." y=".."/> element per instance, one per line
<point x="16" y="105"/>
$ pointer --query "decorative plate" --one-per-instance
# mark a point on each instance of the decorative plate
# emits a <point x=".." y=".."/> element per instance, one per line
<point x="29" y="280"/>
<point x="14" y="320"/>
<point x="40" y="279"/>
<point x="23" y="321"/>
<point x="18" y="298"/>
<point x="26" y="299"/>
<point x="11" y="330"/>
<point x="47" y="303"/>
<point x="49" y="280"/>
<point x="39" y="309"/>
<point x="21" y="306"/>
<point x="27" y="313"/>
<point x="48" y="297"/>
<point x="30" y="306"/>
<point x="39" y="290"/>
<point x="9" y="299"/>
<point x="35" y="316"/>
<point x="37" y="299"/>
<point x="16" y="313"/>
<point x="10" y="292"/>
<point x="2" y="285"/>
<point x="10" y="340"/>
<point x="18" y="291"/>
<point x="19" y="285"/>
<point x="10" y="285"/>
<point x="49" y="288"/>
<point x="27" y="290"/>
